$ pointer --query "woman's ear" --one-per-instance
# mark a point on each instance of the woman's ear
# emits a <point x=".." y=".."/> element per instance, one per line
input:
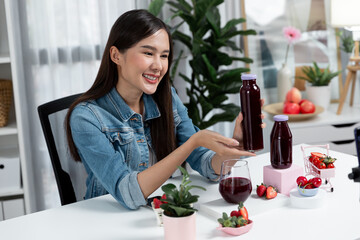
<point x="115" y="55"/>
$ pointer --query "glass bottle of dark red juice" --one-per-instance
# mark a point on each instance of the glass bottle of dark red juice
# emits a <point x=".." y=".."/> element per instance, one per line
<point x="281" y="143"/>
<point x="251" y="111"/>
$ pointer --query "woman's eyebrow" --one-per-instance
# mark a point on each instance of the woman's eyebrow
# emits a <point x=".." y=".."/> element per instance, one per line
<point x="153" y="48"/>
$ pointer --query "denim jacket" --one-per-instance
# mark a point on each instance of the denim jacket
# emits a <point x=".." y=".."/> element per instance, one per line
<point x="112" y="141"/>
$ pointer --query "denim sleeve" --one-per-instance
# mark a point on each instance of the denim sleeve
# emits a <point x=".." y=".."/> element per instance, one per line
<point x="108" y="165"/>
<point x="200" y="158"/>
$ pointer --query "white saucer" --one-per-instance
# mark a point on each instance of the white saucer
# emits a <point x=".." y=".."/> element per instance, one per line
<point x="299" y="201"/>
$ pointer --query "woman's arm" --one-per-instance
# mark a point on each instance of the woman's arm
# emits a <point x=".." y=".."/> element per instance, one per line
<point x="153" y="177"/>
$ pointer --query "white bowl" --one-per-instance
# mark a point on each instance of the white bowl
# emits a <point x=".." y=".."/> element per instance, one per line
<point x="308" y="192"/>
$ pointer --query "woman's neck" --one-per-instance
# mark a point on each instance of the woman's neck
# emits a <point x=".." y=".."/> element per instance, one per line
<point x="132" y="98"/>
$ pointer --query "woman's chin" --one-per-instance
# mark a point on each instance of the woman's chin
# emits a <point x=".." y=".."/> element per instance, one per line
<point x="149" y="90"/>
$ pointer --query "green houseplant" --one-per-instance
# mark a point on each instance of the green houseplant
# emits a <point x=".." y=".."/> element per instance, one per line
<point x="180" y="200"/>
<point x="318" y="77"/>
<point x="212" y="78"/>
<point x="319" y="90"/>
<point x="346" y="41"/>
<point x="179" y="218"/>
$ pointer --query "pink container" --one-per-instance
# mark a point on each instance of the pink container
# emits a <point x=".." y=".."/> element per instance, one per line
<point x="283" y="179"/>
<point x="238" y="230"/>
<point x="180" y="228"/>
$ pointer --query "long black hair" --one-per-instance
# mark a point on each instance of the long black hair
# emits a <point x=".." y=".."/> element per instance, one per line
<point x="130" y="28"/>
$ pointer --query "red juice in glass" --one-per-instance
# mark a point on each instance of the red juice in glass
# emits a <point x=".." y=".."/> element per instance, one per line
<point x="235" y="189"/>
<point x="251" y="111"/>
<point x="281" y="143"/>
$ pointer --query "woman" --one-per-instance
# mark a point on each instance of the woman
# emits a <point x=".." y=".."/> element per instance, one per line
<point x="130" y="129"/>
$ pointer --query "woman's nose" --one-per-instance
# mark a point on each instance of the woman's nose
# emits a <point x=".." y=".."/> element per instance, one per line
<point x="157" y="64"/>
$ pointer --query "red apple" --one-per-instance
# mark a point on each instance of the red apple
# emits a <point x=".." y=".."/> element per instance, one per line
<point x="291" y="108"/>
<point x="293" y="95"/>
<point x="307" y="107"/>
<point x="302" y="100"/>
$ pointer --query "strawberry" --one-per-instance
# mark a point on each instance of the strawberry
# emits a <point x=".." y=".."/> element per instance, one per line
<point x="234" y="214"/>
<point x="271" y="192"/>
<point x="260" y="190"/>
<point x="157" y="203"/>
<point x="241" y="221"/>
<point x="243" y="211"/>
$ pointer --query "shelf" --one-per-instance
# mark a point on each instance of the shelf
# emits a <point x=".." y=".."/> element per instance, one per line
<point x="9" y="193"/>
<point x="4" y="58"/>
<point x="10" y="129"/>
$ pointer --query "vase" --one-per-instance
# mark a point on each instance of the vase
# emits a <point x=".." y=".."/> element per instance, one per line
<point x="284" y="83"/>
<point x="179" y="228"/>
<point x="319" y="95"/>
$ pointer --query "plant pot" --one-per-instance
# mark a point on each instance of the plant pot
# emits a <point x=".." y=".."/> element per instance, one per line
<point x="319" y="95"/>
<point x="284" y="83"/>
<point x="179" y="228"/>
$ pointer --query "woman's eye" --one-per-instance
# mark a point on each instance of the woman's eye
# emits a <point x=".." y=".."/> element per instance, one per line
<point x="148" y="53"/>
<point x="165" y="56"/>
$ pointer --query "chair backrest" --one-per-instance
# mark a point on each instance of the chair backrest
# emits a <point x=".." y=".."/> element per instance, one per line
<point x="52" y="116"/>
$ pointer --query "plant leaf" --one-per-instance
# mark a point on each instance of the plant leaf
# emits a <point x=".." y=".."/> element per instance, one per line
<point x="155" y="6"/>
<point x="185" y="39"/>
<point x="243" y="59"/>
<point x="180" y="211"/>
<point x="231" y="25"/>
<point x="168" y="187"/>
<point x="175" y="65"/>
<point x="213" y="17"/>
<point x="210" y="68"/>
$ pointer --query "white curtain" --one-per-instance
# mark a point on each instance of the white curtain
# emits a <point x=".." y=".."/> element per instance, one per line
<point x="62" y="44"/>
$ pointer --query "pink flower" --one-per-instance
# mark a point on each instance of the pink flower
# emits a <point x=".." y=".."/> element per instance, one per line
<point x="291" y="34"/>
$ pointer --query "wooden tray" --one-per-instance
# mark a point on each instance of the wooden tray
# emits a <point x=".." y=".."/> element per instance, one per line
<point x="277" y="108"/>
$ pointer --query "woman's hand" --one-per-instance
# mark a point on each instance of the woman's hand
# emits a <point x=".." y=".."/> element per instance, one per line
<point x="223" y="146"/>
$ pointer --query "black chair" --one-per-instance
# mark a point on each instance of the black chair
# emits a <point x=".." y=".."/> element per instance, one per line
<point x="52" y="115"/>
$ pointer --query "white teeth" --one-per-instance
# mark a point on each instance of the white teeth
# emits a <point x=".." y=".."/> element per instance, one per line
<point x="149" y="77"/>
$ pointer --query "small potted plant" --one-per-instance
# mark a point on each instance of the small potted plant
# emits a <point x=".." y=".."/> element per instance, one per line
<point x="179" y="213"/>
<point x="319" y="91"/>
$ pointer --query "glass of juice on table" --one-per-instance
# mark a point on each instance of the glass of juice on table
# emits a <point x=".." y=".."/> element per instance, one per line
<point x="235" y="183"/>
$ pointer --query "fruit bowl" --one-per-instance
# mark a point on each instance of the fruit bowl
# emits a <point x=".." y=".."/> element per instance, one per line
<point x="238" y="230"/>
<point x="277" y="108"/>
<point x="308" y="192"/>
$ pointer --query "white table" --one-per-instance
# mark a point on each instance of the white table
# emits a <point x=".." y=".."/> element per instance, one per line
<point x="103" y="218"/>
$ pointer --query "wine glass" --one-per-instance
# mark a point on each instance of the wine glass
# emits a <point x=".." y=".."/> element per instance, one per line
<point x="235" y="183"/>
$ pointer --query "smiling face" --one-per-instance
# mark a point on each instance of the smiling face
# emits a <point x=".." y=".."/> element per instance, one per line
<point x="141" y="67"/>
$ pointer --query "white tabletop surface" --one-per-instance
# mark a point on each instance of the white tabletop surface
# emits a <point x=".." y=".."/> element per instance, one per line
<point x="103" y="218"/>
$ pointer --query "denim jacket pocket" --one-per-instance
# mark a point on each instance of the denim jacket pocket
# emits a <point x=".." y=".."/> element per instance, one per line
<point x="122" y="137"/>
<point x="122" y="141"/>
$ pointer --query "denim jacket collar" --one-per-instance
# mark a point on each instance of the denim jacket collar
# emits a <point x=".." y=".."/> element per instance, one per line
<point x="151" y="109"/>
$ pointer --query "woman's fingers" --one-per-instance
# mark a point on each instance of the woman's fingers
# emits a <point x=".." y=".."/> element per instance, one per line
<point x="220" y="144"/>
<point x="233" y="151"/>
<point x="237" y="134"/>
